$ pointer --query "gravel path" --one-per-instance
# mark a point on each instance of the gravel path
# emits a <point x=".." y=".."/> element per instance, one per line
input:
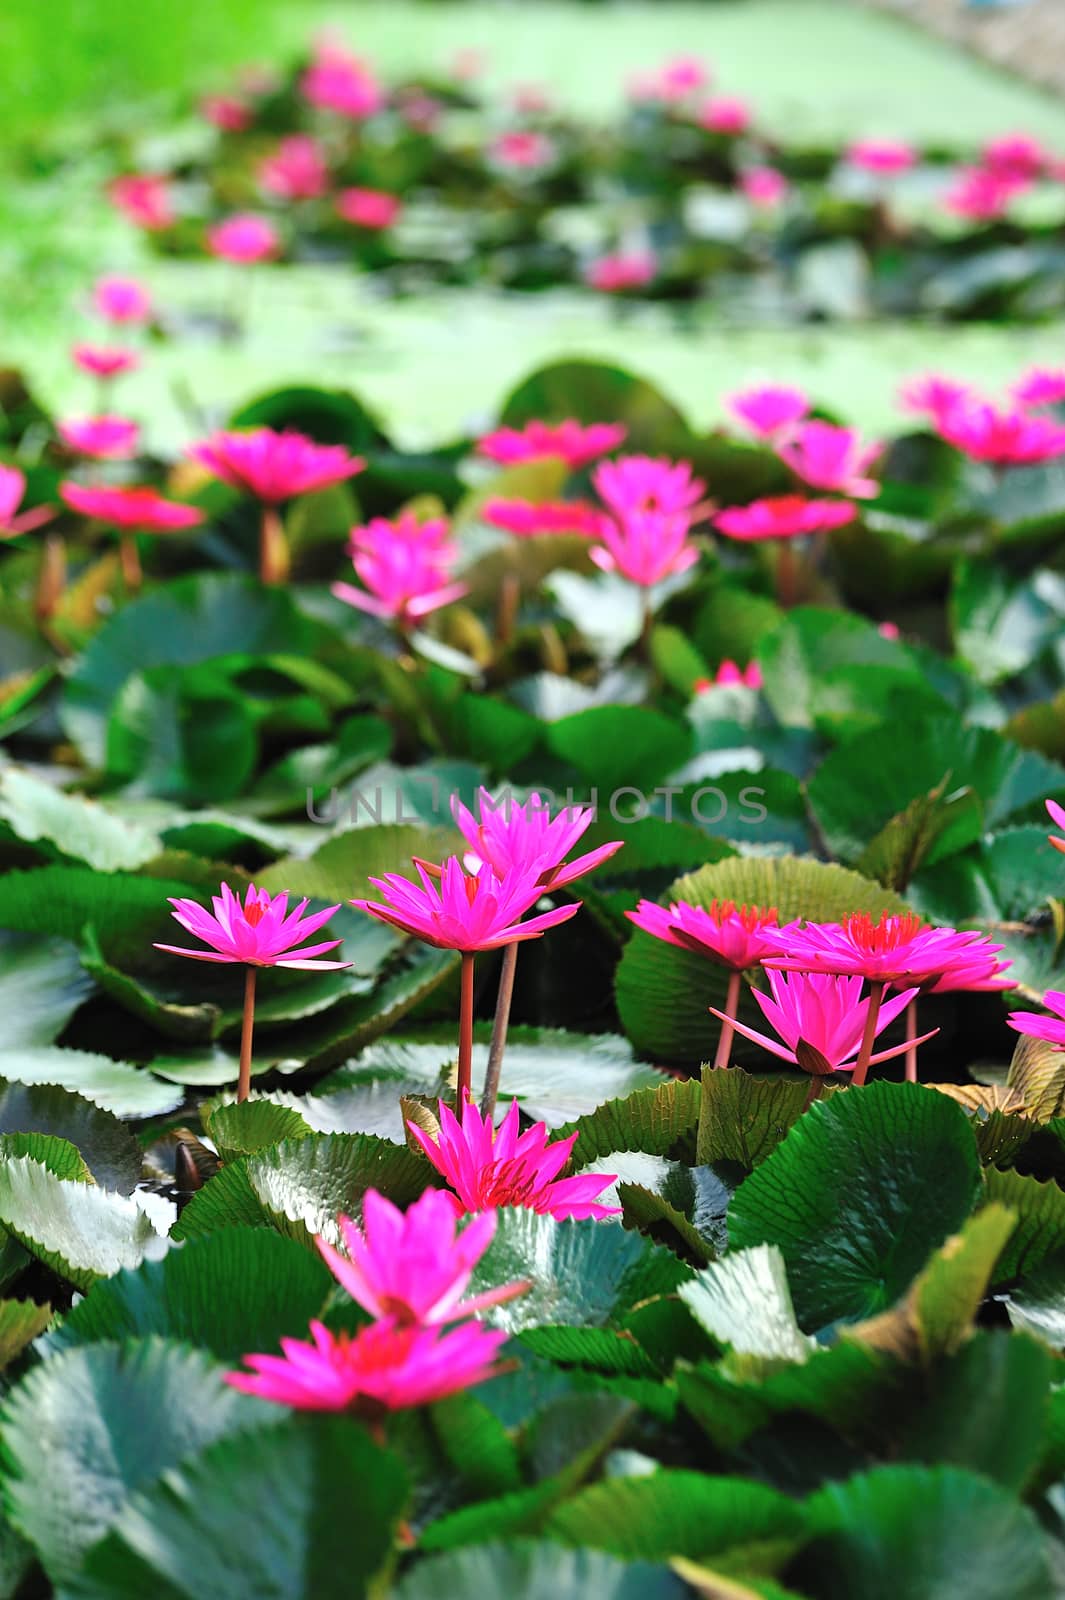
<point x="1028" y="38"/>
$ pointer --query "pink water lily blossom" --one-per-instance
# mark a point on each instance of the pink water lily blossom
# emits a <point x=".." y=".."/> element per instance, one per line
<point x="121" y="300"/>
<point x="523" y="149"/>
<point x="12" y="490"/>
<point x="488" y="1167"/>
<point x="573" y="442"/>
<point x="1057" y="815"/>
<point x="764" y="187"/>
<point x="524" y="838"/>
<point x="770" y="409"/>
<point x="296" y="170"/>
<point x="105" y="438"/>
<point x="227" y="112"/>
<point x="621" y="272"/>
<point x="406" y="568"/>
<point x="831" y="458"/>
<point x="646" y="547"/>
<point x="1038" y="1026"/>
<point x="788" y="516"/>
<point x="895" y="949"/>
<point x="934" y="394"/>
<point x="104" y="361"/>
<point x="730" y="675"/>
<point x="414" y="1267"/>
<point x="979" y="195"/>
<point x="372" y="209"/>
<point x="384" y="1367"/>
<point x="821" y="1021"/>
<point x="340" y="82"/>
<point x="737" y="937"/>
<point x="131" y="506"/>
<point x="1040" y="386"/>
<point x="528" y="518"/>
<point x="144" y="199"/>
<point x="456" y="911"/>
<point x="972" y="966"/>
<point x="1003" y="438"/>
<point x="274" y="466"/>
<point x="1014" y="155"/>
<point x="261" y="931"/>
<point x="725" y="114"/>
<point x="885" y="157"/>
<point x="243" y="238"/>
<point x="648" y="483"/>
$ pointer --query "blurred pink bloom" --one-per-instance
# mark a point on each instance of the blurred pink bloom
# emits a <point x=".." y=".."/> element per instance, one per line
<point x="732" y="936"/>
<point x="296" y="170"/>
<point x="12" y="489"/>
<point x="768" y="410"/>
<point x="414" y="1267"/>
<point x="646" y="547"/>
<point x="724" y="114"/>
<point x="1003" y="438"/>
<point x="419" y="110"/>
<point x="488" y="1167"/>
<point x="627" y="269"/>
<point x="527" y="519"/>
<point x="522" y="148"/>
<point x="933" y="394"/>
<point x="574" y="443"/>
<point x="121" y="299"/>
<point x="827" y="457"/>
<point x="525" y="838"/>
<point x="764" y="186"/>
<point x="243" y="238"/>
<point x="886" y="157"/>
<point x="1014" y="155"/>
<point x="104" y="361"/>
<point x="454" y="911"/>
<point x="374" y="209"/>
<point x="1037" y="1026"/>
<point x="787" y="516"/>
<point x="888" y="630"/>
<point x="468" y="63"/>
<point x="982" y="196"/>
<point x="1040" y="386"/>
<point x="104" y="438"/>
<point x="648" y="483"/>
<point x="380" y="1366"/>
<point x="227" y="112"/>
<point x="730" y="676"/>
<point x="337" y="81"/>
<point x="143" y="197"/>
<point x="821" y="1021"/>
<point x="260" y="933"/>
<point x="1057" y="815"/>
<point x="674" y="81"/>
<point x="530" y="99"/>
<point x="131" y="506"/>
<point x="895" y="949"/>
<point x="274" y="466"/>
<point x="406" y="567"/>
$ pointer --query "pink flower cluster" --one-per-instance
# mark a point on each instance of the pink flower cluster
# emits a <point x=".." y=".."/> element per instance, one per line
<point x="406" y="568"/>
<point x="274" y="466"/>
<point x="342" y="83"/>
<point x="1014" y="434"/>
<point x="572" y="442"/>
<point x="652" y="505"/>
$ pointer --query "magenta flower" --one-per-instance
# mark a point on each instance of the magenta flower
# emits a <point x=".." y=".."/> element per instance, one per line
<point x="729" y="676"/>
<point x="831" y="458"/>
<point x="522" y="148"/>
<point x="525" y="839"/>
<point x="262" y="932"/>
<point x="895" y="949"/>
<point x="528" y="518"/>
<point x="1002" y="438"/>
<point x="489" y="1167"/>
<point x="274" y="466"/>
<point x="982" y="196"/>
<point x="406" y="567"/>
<point x="104" y="361"/>
<point x="1015" y="155"/>
<point x="885" y="157"/>
<point x="973" y="966"/>
<point x="933" y="394"/>
<point x="373" y="209"/>
<point x="106" y="438"/>
<point x="725" y="114"/>
<point x="682" y="76"/>
<point x="646" y="483"/>
<point x="889" y="630"/>
<point x="1038" y="1026"/>
<point x="243" y="238"/>
<point x="572" y="442"/>
<point x="736" y="937"/>
<point x="1057" y="815"/>
<point x="764" y="187"/>
<point x="455" y="911"/>
<point x="769" y="410"/>
<point x="134" y="507"/>
<point x="122" y="300"/>
<point x="382" y="1368"/>
<point x="622" y="271"/>
<point x="786" y="517"/>
<point x="337" y="81"/>
<point x="822" y="1021"/>
<point x="226" y="112"/>
<point x="414" y="1267"/>
<point x="1041" y="386"/>
<point x="296" y="170"/>
<point x="646" y="547"/>
<point x="12" y="489"/>
<point x="143" y="198"/>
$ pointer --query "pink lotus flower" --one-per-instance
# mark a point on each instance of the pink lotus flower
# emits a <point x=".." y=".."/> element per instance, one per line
<point x="724" y="114"/>
<point x="489" y="1167"/>
<point x="413" y="1268"/>
<point x="982" y="196"/>
<point x="528" y="518"/>
<point x="648" y="483"/>
<point x="106" y="438"/>
<point x="769" y="410"/>
<point x="973" y="966"/>
<point x="373" y="209"/>
<point x="12" y="489"/>
<point x="1015" y="155"/>
<point x="1057" y="815"/>
<point x="830" y="458"/>
<point x="274" y="466"/>
<point x="132" y="506"/>
<point x="733" y="937"/>
<point x="764" y="187"/>
<point x="1003" y="438"/>
<point x="383" y="1367"/>
<point x="572" y="442"/>
<point x="822" y="1021"/>
<point x="888" y="630"/>
<point x="895" y="950"/>
<point x="337" y="81"/>
<point x="731" y="676"/>
<point x="1041" y="386"/>
<point x="646" y="547"/>
<point x="262" y="932"/>
<point x="243" y="238"/>
<point x="625" y="270"/>
<point x="296" y="170"/>
<point x="104" y="361"/>
<point x="933" y="394"/>
<point x="227" y="112"/>
<point x="788" y="516"/>
<point x="419" y="110"/>
<point x="406" y="568"/>
<point x="1037" y="1026"/>
<point x="522" y="148"/>
<point x="670" y="83"/>
<point x="456" y="912"/>
<point x="121" y="300"/>
<point x="144" y="198"/>
<point x="527" y="840"/>
<point x="885" y="157"/>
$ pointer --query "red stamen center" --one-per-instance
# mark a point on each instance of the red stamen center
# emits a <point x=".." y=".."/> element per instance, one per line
<point x="877" y="938"/>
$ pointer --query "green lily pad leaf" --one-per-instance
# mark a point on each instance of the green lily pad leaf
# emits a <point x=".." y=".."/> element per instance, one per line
<point x="195" y="1023"/>
<point x="742" y="1117"/>
<point x="110" y="1151"/>
<point x="79" y="1230"/>
<point x="660" y="1121"/>
<point x="864" y="1187"/>
<point x="234" y="1291"/>
<point x="681" y="1206"/>
<point x="80" y="829"/>
<point x="743" y="1301"/>
<point x="592" y="390"/>
<point x="823" y="666"/>
<point x="313" y="772"/>
<point x="340" y="868"/>
<point x="1000" y="626"/>
<point x="116" y="1086"/>
<point x="1037" y="1070"/>
<point x="619" y="747"/>
<point x="1037" y="1305"/>
<point x="127" y="912"/>
<point x="41" y="986"/>
<point x="931" y="827"/>
<point x="20" y="1323"/>
<point x="237" y="1129"/>
<point x="537" y="1571"/>
<point x="1039" y="1234"/>
<point x="86" y="1429"/>
<point x="57" y="1155"/>
<point x="1019" y="864"/>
